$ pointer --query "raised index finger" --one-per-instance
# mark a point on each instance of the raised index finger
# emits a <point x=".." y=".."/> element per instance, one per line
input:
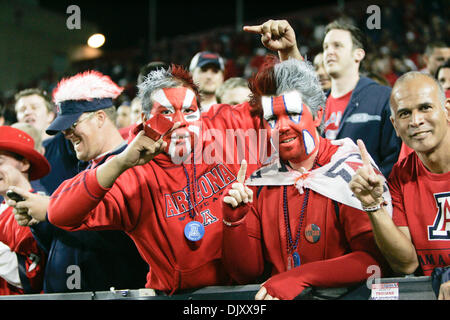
<point x="364" y="154"/>
<point x="253" y="29"/>
<point x="242" y="172"/>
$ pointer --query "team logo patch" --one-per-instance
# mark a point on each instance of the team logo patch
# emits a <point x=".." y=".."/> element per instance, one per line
<point x="440" y="230"/>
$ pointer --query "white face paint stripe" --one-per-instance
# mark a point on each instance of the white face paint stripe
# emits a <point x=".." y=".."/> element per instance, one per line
<point x="266" y="103"/>
<point x="160" y="97"/>
<point x="187" y="102"/>
<point x="193" y="116"/>
<point x="293" y="102"/>
<point x="308" y="140"/>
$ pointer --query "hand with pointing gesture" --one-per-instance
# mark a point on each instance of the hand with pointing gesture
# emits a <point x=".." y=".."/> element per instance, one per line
<point x="239" y="193"/>
<point x="277" y="35"/>
<point x="366" y="185"/>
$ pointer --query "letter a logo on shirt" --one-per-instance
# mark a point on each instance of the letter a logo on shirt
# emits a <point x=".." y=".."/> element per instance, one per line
<point x="440" y="230"/>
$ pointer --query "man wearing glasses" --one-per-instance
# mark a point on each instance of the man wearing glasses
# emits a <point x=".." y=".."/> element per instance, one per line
<point x="84" y="260"/>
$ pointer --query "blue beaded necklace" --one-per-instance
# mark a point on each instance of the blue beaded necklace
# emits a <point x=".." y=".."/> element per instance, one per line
<point x="293" y="256"/>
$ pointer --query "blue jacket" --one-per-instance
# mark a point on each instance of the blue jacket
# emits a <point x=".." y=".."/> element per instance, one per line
<point x="366" y="117"/>
<point x="100" y="259"/>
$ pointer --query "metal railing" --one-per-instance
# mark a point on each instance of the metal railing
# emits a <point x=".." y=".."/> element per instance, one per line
<point x="410" y="288"/>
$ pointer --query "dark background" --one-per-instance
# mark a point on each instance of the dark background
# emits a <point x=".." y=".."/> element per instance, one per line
<point x="125" y="23"/>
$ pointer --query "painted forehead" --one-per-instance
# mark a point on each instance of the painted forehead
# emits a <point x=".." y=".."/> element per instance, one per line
<point x="289" y="102"/>
<point x="172" y="98"/>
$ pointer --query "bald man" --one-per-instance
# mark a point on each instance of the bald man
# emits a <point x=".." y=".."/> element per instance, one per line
<point x="417" y="238"/>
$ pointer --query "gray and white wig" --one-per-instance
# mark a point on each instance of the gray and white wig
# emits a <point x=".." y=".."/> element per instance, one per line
<point x="173" y="77"/>
<point x="155" y="80"/>
<point x="300" y="76"/>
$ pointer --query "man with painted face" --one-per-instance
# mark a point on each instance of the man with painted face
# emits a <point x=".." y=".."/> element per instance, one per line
<point x="298" y="214"/>
<point x="165" y="192"/>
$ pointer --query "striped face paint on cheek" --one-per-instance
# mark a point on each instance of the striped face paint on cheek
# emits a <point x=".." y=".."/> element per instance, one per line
<point x="294" y="122"/>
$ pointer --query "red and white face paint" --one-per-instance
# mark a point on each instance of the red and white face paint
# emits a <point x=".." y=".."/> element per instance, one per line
<point x="178" y="105"/>
<point x="294" y="122"/>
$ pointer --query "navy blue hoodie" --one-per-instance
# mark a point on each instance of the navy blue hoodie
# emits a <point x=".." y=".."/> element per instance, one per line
<point x="101" y="259"/>
<point x="366" y="117"/>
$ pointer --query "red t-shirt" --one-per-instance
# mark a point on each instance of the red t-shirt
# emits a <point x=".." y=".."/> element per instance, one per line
<point x="335" y="108"/>
<point x="404" y="152"/>
<point x="421" y="201"/>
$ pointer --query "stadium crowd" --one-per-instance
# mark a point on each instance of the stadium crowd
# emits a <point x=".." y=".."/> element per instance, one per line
<point x="355" y="124"/>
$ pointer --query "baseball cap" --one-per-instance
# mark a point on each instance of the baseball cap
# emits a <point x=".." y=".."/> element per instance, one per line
<point x="206" y="57"/>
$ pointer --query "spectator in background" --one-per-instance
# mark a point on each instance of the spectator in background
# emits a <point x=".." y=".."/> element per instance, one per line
<point x="207" y="70"/>
<point x="233" y="91"/>
<point x="357" y="107"/>
<point x="135" y="110"/>
<point x="105" y="258"/>
<point x="324" y="78"/>
<point x="22" y="268"/>
<point x="436" y="53"/>
<point x="33" y="106"/>
<point x="417" y="237"/>
<point x="37" y="137"/>
<point x="33" y="132"/>
<point x="7" y="115"/>
<point x="443" y="76"/>
<point x="123" y="115"/>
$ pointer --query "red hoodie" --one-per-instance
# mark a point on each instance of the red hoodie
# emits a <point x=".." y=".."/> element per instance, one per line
<point x="150" y="203"/>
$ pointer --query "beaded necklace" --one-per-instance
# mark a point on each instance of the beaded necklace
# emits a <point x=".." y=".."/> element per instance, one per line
<point x="193" y="230"/>
<point x="292" y="254"/>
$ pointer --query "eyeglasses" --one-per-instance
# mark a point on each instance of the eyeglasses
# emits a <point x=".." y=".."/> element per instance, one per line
<point x="74" y="125"/>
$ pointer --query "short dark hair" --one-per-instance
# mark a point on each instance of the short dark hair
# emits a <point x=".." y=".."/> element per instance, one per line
<point x="358" y="38"/>
<point x="445" y="65"/>
<point x="35" y="91"/>
<point x="433" y="45"/>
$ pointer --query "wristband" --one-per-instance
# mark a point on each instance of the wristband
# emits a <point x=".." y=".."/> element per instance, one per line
<point x="234" y="223"/>
<point x="375" y="208"/>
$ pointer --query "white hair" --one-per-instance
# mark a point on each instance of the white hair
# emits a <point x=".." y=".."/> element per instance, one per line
<point x="86" y="86"/>
<point x="300" y="76"/>
<point x="158" y="79"/>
